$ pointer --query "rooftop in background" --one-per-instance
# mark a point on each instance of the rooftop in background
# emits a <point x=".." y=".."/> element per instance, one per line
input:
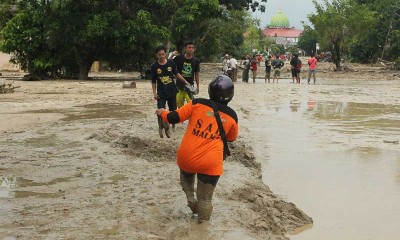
<point x="282" y="32"/>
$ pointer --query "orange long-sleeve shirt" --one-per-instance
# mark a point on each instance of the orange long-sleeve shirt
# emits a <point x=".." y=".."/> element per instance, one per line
<point x="201" y="149"/>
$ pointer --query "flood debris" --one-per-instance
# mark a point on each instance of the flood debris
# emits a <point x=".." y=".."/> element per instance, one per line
<point x="387" y="64"/>
<point x="8" y="87"/>
<point x="129" y="84"/>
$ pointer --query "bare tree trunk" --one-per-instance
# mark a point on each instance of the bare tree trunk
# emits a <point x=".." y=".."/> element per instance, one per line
<point x="180" y="44"/>
<point x="84" y="71"/>
<point x="167" y="45"/>
<point x="336" y="55"/>
<point x="84" y="62"/>
<point x="387" y="36"/>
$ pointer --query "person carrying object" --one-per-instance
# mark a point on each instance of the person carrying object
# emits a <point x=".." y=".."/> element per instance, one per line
<point x="163" y="72"/>
<point x="204" y="145"/>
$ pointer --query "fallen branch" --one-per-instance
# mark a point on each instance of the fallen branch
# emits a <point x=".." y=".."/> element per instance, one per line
<point x="8" y="87"/>
<point x="387" y="64"/>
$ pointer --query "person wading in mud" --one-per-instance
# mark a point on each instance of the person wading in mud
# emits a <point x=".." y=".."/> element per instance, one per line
<point x="246" y="69"/>
<point x="253" y="68"/>
<point x="162" y="81"/>
<point x="268" y="69"/>
<point x="277" y="64"/>
<point x="296" y="66"/>
<point x="189" y="67"/>
<point x="201" y="151"/>
<point x="312" y="68"/>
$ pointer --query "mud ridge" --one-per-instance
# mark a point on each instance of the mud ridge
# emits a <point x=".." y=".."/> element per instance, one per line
<point x="263" y="214"/>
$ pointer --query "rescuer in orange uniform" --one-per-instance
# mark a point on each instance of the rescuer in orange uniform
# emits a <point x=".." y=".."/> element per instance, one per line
<point x="201" y="149"/>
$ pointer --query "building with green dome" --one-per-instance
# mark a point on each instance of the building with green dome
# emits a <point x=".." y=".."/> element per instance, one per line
<point x="279" y="20"/>
<point x="279" y="29"/>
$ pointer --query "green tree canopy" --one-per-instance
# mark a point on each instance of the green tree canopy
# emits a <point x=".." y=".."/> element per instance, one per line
<point x="64" y="38"/>
<point x="341" y="24"/>
<point x="308" y="40"/>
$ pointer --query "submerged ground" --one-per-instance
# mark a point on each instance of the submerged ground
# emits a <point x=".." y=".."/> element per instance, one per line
<point x="83" y="160"/>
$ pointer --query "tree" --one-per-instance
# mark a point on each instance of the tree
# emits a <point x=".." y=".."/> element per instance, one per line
<point x="66" y="37"/>
<point x="378" y="41"/>
<point x="339" y="24"/>
<point x="222" y="35"/>
<point x="308" y="40"/>
<point x="7" y="9"/>
<point x="268" y="44"/>
<point x="253" y="37"/>
<point x="63" y="38"/>
<point x="105" y="30"/>
<point x="24" y="37"/>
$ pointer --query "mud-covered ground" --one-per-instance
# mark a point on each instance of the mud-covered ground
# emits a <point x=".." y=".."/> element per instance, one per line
<point x="83" y="159"/>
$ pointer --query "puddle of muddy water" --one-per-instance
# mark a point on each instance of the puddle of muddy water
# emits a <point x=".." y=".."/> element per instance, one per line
<point x="10" y="187"/>
<point x="330" y="159"/>
<point x="95" y="111"/>
<point x="101" y="110"/>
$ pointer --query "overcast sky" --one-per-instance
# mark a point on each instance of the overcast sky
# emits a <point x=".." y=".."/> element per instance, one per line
<point x="296" y="10"/>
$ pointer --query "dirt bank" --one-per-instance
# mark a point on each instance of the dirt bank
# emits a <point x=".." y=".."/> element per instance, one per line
<point x="83" y="160"/>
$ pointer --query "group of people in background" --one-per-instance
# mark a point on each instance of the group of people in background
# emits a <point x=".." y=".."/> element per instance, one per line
<point x="249" y="64"/>
<point x="274" y="64"/>
<point x="229" y="67"/>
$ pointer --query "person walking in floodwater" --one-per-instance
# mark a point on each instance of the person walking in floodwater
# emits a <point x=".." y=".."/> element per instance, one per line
<point x="277" y="64"/>
<point x="296" y="66"/>
<point x="226" y="64"/>
<point x="312" y="68"/>
<point x="201" y="151"/>
<point x="246" y="69"/>
<point x="253" y="68"/>
<point x="268" y="69"/>
<point x="162" y="81"/>
<point x="234" y="64"/>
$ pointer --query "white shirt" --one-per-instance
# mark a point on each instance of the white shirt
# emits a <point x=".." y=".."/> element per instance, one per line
<point x="233" y="62"/>
<point x="226" y="64"/>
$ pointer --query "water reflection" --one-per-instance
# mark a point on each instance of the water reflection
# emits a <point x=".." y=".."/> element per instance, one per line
<point x="332" y="162"/>
<point x="294" y="105"/>
<point x="351" y="117"/>
<point x="7" y="184"/>
<point x="10" y="187"/>
<point x="354" y="111"/>
<point x="311" y="104"/>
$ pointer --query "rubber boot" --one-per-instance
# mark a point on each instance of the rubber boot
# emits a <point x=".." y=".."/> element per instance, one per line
<point x="160" y="127"/>
<point x="204" y="197"/>
<point x="166" y="127"/>
<point x="187" y="183"/>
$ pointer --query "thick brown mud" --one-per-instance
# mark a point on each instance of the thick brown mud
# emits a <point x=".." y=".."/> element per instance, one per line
<point x="85" y="161"/>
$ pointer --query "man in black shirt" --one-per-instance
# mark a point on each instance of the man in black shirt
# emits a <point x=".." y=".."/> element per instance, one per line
<point x="189" y="67"/>
<point x="268" y="69"/>
<point x="296" y="65"/>
<point x="162" y="81"/>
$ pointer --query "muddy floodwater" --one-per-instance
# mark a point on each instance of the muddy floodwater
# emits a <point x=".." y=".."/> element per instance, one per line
<point x="332" y="148"/>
